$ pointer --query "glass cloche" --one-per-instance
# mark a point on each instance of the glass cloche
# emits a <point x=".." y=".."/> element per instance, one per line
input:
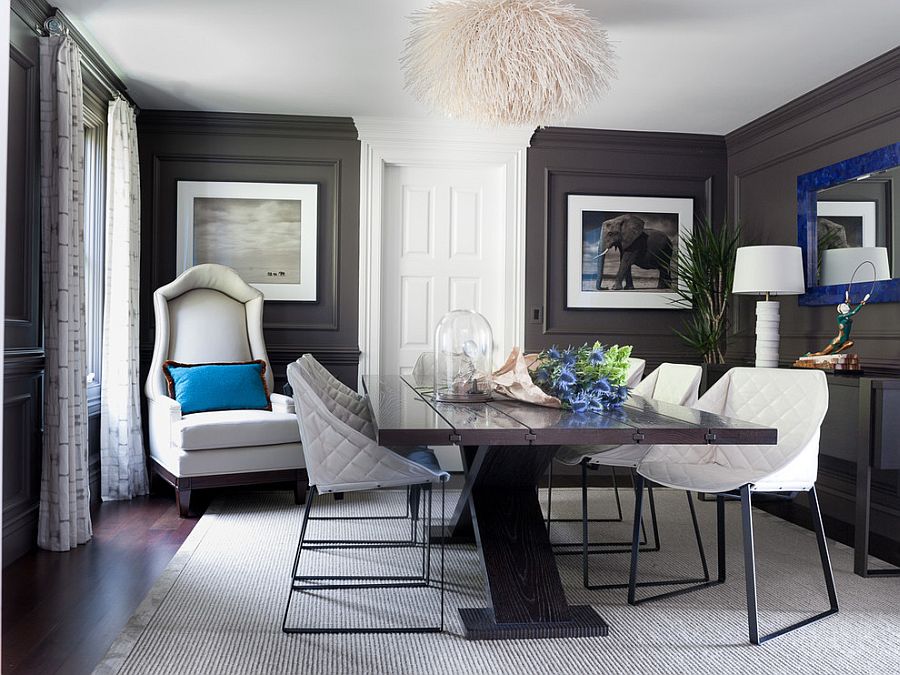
<point x="463" y="345"/>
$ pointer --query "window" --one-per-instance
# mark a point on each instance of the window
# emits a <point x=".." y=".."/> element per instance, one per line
<point x="94" y="236"/>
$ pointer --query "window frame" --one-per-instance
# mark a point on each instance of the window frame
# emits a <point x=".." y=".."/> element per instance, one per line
<point x="94" y="231"/>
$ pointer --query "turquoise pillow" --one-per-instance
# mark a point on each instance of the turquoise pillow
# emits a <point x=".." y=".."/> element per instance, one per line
<point x="204" y="387"/>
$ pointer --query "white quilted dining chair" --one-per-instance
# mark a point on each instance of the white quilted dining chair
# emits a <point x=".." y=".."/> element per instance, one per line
<point x="210" y="315"/>
<point x="674" y="383"/>
<point x="635" y="372"/>
<point x="794" y="402"/>
<point x="342" y="459"/>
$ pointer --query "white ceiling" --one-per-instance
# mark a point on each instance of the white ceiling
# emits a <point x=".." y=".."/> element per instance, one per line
<point x="705" y="66"/>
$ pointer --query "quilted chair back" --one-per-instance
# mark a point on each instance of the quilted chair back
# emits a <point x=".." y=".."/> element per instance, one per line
<point x="347" y="406"/>
<point x="676" y="383"/>
<point x="207" y="315"/>
<point x="338" y="457"/>
<point x="635" y="372"/>
<point x="793" y="401"/>
<point x="322" y="373"/>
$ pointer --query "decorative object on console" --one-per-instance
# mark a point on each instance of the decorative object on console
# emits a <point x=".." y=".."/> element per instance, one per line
<point x="831" y="358"/>
<point x="267" y="232"/>
<point x="768" y="270"/>
<point x="621" y="251"/>
<point x="705" y="267"/>
<point x="507" y="62"/>
<point x="463" y="352"/>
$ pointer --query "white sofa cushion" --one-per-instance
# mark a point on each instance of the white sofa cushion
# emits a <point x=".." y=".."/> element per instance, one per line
<point x="234" y="429"/>
<point x="218" y="461"/>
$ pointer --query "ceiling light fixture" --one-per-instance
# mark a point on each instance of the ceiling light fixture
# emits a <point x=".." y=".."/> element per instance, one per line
<point x="507" y="62"/>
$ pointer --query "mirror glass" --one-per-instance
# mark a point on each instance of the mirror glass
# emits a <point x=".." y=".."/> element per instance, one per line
<point x="858" y="229"/>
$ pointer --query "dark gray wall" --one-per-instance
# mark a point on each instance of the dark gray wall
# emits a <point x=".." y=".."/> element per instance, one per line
<point x="24" y="349"/>
<point x="853" y="114"/>
<point x="586" y="161"/>
<point x="178" y="146"/>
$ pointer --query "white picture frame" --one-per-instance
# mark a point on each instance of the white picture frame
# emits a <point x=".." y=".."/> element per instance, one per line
<point x="262" y="230"/>
<point x="847" y="212"/>
<point x="675" y="219"/>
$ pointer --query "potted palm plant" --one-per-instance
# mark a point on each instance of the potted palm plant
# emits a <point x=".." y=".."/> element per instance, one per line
<point x="704" y="268"/>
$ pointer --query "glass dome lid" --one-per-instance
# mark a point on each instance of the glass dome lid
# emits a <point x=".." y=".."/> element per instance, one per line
<point x="463" y="348"/>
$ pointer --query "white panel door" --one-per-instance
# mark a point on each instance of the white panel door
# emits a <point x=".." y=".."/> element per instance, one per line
<point x="443" y="248"/>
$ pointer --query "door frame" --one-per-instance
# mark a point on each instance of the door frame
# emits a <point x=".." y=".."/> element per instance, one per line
<point x="436" y="144"/>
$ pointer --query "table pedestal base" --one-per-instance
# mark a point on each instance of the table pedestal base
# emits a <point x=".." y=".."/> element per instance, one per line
<point x="479" y="624"/>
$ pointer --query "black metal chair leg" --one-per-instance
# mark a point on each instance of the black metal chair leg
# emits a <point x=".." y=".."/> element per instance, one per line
<point x="616" y="490"/>
<point x="318" y="583"/>
<point x="749" y="565"/>
<point x="720" y="536"/>
<point x="600" y="547"/>
<point x="819" y="527"/>
<point x="750" y="570"/>
<point x="310" y="498"/>
<point x="696" y="525"/>
<point x="636" y="533"/>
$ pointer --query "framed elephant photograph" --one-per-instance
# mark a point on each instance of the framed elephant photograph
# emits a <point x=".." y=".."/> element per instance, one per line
<point x="621" y="251"/>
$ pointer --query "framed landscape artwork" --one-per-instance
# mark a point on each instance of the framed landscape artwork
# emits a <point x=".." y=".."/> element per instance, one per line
<point x="267" y="232"/>
<point x="846" y="224"/>
<point x="621" y="250"/>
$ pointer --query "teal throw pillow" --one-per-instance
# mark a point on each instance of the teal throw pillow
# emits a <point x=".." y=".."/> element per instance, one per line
<point x="204" y="387"/>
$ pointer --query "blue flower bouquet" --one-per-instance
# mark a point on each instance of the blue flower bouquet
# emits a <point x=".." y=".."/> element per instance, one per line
<point x="589" y="378"/>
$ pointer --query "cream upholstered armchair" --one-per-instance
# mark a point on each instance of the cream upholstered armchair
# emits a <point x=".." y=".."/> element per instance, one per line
<point x="210" y="315"/>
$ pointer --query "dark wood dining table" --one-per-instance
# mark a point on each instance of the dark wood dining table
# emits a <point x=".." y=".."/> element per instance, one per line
<point x="507" y="447"/>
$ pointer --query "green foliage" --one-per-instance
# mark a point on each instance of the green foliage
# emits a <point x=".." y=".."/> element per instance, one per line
<point x="704" y="268"/>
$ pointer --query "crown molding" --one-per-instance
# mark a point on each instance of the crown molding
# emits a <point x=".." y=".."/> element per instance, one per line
<point x="432" y="132"/>
<point x="653" y="142"/>
<point x="247" y="124"/>
<point x="872" y="75"/>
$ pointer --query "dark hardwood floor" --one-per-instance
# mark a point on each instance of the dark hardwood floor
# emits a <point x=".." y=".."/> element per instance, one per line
<point x="62" y="611"/>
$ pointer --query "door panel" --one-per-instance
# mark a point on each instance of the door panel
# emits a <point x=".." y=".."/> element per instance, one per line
<point x="442" y="249"/>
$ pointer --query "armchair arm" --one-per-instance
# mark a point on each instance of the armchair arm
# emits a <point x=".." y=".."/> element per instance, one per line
<point x="163" y="413"/>
<point x="282" y="404"/>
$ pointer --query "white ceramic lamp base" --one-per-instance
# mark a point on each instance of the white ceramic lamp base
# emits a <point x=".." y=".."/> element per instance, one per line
<point x="768" y="318"/>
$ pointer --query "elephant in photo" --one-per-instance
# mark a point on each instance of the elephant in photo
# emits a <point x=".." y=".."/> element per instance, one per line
<point x="648" y="249"/>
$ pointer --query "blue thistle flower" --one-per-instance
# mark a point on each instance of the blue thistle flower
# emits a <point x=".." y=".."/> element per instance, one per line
<point x="565" y="380"/>
<point x="579" y="403"/>
<point x="553" y="353"/>
<point x="601" y="386"/>
<point x="597" y="356"/>
<point x="569" y="357"/>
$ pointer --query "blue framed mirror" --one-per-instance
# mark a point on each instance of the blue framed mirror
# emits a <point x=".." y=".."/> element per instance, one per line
<point x="848" y="220"/>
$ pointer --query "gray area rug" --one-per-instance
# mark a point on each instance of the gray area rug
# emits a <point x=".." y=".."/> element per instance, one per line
<point x="218" y="607"/>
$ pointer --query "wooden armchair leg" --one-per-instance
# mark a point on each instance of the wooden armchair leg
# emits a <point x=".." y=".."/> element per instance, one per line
<point x="183" y="500"/>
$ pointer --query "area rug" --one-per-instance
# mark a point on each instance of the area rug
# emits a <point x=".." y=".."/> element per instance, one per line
<point x="219" y="605"/>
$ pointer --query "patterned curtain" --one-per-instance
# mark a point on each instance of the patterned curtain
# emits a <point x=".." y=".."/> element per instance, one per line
<point x="123" y="466"/>
<point x="65" y="519"/>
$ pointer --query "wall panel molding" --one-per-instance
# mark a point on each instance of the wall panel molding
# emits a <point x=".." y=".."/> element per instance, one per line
<point x="584" y="161"/>
<point x="186" y="145"/>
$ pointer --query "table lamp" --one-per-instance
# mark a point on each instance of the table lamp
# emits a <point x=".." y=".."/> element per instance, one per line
<point x="768" y="270"/>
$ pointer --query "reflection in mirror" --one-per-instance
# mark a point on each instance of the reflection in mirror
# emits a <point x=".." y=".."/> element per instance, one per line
<point x="858" y="230"/>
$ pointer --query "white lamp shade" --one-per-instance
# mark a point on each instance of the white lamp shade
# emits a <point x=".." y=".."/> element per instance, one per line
<point x="838" y="265"/>
<point x="777" y="270"/>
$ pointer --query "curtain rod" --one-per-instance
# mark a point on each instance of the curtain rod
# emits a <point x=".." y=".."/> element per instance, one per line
<point x="59" y="25"/>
